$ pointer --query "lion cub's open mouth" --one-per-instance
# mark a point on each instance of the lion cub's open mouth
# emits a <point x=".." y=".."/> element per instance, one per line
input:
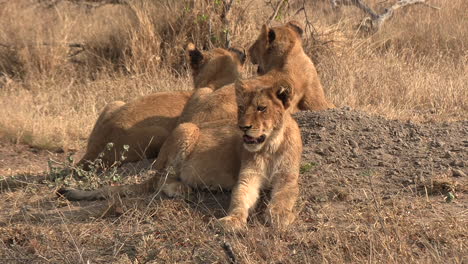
<point x="251" y="140"/>
<point x="260" y="70"/>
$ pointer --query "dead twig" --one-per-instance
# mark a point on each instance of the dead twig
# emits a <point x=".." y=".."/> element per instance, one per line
<point x="309" y="28"/>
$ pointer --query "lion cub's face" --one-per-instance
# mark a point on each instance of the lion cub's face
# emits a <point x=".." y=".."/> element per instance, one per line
<point x="273" y="44"/>
<point x="261" y="110"/>
<point x="215" y="68"/>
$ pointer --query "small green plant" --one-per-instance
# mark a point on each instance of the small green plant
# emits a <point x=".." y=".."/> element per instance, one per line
<point x="68" y="174"/>
<point x="449" y="197"/>
<point x="203" y="17"/>
<point x="307" y="167"/>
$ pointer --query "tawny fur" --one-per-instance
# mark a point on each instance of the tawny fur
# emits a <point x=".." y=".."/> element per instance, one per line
<point x="145" y="123"/>
<point x="216" y="155"/>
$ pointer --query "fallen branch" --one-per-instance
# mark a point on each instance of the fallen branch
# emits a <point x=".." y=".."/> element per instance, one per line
<point x="376" y="21"/>
<point x="89" y="4"/>
<point x="77" y="47"/>
<point x="402" y="3"/>
<point x="67" y="44"/>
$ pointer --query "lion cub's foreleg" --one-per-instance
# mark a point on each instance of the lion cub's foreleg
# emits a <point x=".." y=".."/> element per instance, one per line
<point x="283" y="197"/>
<point x="244" y="197"/>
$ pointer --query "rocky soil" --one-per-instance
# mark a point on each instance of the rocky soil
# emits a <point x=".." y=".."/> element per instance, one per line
<point x="353" y="143"/>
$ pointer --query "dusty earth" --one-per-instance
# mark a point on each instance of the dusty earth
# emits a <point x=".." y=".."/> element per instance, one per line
<point x="372" y="190"/>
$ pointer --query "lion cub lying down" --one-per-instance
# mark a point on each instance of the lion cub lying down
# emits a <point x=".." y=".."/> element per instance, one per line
<point x="145" y="123"/>
<point x="262" y="151"/>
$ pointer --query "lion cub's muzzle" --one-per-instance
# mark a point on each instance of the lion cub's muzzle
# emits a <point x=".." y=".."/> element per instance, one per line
<point x="249" y="139"/>
<point x="252" y="140"/>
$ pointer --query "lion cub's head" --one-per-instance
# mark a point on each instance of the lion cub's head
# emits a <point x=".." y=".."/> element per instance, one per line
<point x="274" y="44"/>
<point x="260" y="111"/>
<point x="215" y="68"/>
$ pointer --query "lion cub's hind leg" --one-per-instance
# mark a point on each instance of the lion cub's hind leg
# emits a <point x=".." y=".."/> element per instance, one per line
<point x="145" y="142"/>
<point x="174" y="152"/>
<point x="315" y="101"/>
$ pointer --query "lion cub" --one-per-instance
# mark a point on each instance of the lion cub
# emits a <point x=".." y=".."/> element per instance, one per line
<point x="280" y="49"/>
<point x="145" y="123"/>
<point x="262" y="151"/>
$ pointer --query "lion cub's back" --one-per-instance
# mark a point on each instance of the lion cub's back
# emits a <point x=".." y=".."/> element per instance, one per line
<point x="161" y="109"/>
<point x="217" y="105"/>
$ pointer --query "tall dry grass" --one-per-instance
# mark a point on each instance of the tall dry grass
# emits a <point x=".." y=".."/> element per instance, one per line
<point x="52" y="90"/>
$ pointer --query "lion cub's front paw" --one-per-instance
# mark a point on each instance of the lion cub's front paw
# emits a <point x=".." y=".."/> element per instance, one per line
<point x="279" y="219"/>
<point x="232" y="223"/>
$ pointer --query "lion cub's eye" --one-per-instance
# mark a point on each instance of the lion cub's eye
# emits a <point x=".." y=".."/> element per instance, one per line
<point x="261" y="108"/>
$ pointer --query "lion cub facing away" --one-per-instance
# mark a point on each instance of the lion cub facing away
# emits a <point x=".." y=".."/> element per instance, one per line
<point x="264" y="151"/>
<point x="145" y="123"/>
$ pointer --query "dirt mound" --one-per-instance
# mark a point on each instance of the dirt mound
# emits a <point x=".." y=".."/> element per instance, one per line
<point x="349" y="140"/>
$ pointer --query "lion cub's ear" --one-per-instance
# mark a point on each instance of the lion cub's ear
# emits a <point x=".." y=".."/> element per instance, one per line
<point x="296" y="26"/>
<point x="239" y="53"/>
<point x="284" y="93"/>
<point x="268" y="33"/>
<point x="196" y="57"/>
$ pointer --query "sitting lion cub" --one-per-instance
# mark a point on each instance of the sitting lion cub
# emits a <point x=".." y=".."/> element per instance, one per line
<point x="280" y="49"/>
<point x="145" y="123"/>
<point x="262" y="151"/>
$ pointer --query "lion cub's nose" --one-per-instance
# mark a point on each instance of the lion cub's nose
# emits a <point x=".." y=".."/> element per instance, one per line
<point x="244" y="128"/>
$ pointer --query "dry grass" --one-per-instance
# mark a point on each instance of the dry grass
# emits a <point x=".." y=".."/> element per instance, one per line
<point x="50" y="95"/>
<point x="360" y="222"/>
